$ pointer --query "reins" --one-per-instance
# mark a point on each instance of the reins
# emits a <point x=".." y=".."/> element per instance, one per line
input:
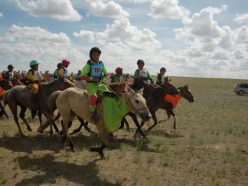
<point x="129" y="104"/>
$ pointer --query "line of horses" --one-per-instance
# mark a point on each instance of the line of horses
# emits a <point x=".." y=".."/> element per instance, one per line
<point x="72" y="101"/>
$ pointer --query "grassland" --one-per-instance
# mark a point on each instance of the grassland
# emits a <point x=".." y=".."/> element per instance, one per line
<point x="210" y="147"/>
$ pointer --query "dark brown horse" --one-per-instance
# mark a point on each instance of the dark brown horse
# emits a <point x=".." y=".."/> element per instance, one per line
<point x="21" y="95"/>
<point x="155" y="100"/>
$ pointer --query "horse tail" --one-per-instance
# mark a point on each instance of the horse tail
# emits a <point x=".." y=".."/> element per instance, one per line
<point x="4" y="97"/>
<point x="52" y="101"/>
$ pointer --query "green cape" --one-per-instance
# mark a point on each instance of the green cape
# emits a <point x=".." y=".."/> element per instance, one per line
<point x="113" y="112"/>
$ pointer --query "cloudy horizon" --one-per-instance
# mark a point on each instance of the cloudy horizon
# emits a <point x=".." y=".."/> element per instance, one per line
<point x="203" y="39"/>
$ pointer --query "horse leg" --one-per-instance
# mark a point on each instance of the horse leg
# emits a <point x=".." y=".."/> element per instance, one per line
<point x="48" y="122"/>
<point x="53" y="121"/>
<point x="135" y="120"/>
<point x="3" y="110"/>
<point x="103" y="139"/>
<point x="174" y="117"/>
<point x="40" y="117"/>
<point x="127" y="124"/>
<point x="66" y="134"/>
<point x="80" y="126"/>
<point x="154" y="119"/>
<point x="22" y="116"/>
<point x="13" y="108"/>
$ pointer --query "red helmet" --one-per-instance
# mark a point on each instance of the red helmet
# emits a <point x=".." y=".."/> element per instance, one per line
<point x="65" y="62"/>
<point x="118" y="70"/>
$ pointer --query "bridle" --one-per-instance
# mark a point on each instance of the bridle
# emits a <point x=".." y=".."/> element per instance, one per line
<point x="130" y="105"/>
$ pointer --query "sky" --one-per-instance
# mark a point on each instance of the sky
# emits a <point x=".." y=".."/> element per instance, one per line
<point x="191" y="38"/>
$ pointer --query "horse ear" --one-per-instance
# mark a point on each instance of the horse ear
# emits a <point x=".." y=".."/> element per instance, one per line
<point x="186" y="86"/>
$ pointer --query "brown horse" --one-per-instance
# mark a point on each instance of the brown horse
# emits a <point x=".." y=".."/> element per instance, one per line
<point x="74" y="101"/>
<point x="155" y="100"/>
<point x="21" y="95"/>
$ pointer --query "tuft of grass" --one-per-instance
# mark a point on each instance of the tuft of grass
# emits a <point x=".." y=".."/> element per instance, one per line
<point x="137" y="157"/>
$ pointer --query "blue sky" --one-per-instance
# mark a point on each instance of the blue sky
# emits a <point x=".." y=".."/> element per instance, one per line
<point x="204" y="38"/>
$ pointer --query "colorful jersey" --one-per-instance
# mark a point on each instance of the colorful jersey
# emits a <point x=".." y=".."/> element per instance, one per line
<point x="160" y="79"/>
<point x="32" y="76"/>
<point x="117" y="78"/>
<point x="94" y="70"/>
<point x="9" y="76"/>
<point x="63" y="73"/>
<point x="142" y="73"/>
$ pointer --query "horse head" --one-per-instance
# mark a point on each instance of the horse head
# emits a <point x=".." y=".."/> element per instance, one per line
<point x="64" y="84"/>
<point x="185" y="92"/>
<point x="137" y="104"/>
<point x="119" y="87"/>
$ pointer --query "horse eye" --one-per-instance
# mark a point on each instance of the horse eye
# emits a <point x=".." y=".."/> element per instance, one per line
<point x="136" y="101"/>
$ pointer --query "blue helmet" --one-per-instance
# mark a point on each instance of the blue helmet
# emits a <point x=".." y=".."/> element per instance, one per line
<point x="33" y="63"/>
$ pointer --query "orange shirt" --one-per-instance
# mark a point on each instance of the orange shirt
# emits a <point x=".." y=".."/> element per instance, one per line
<point x="172" y="99"/>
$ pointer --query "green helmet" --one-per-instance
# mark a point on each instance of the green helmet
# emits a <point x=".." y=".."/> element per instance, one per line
<point x="33" y="63"/>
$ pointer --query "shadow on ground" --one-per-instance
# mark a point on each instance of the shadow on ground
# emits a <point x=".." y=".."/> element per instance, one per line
<point x="49" y="170"/>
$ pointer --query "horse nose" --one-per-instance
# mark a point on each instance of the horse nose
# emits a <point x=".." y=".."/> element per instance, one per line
<point x="146" y="116"/>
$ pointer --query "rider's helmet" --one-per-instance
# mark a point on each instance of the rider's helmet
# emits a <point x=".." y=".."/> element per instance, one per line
<point x="94" y="49"/>
<point x="162" y="69"/>
<point x="140" y="61"/>
<point x="33" y="63"/>
<point x="59" y="65"/>
<point x="118" y="70"/>
<point x="10" y="66"/>
<point x="65" y="62"/>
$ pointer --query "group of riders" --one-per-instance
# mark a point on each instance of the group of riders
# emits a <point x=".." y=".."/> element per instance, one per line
<point x="94" y="73"/>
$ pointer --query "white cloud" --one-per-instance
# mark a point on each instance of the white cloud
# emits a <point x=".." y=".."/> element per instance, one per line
<point x="57" y="9"/>
<point x="241" y="35"/>
<point x="85" y="34"/>
<point x="167" y="9"/>
<point x="109" y="9"/>
<point x="22" y="44"/>
<point x="139" y="1"/>
<point x="1" y="14"/>
<point x="241" y="18"/>
<point x="123" y="33"/>
<point x="216" y="50"/>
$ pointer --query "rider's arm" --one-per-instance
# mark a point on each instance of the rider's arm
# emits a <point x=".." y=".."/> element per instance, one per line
<point x="150" y="78"/>
<point x="84" y="73"/>
<point x="104" y="78"/>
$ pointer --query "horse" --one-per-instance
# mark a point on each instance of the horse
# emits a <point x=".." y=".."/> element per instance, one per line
<point x="117" y="88"/>
<point x="21" y="95"/>
<point x="155" y="100"/>
<point x="74" y="101"/>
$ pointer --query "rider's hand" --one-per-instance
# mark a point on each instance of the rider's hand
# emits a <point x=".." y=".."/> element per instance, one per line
<point x="95" y="80"/>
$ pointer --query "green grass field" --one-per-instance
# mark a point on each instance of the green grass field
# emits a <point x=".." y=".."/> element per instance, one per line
<point x="210" y="147"/>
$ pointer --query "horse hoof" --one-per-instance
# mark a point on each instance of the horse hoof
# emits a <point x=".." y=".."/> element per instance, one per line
<point x="40" y="130"/>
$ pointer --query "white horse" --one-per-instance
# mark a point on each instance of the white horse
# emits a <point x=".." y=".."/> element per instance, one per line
<point x="74" y="101"/>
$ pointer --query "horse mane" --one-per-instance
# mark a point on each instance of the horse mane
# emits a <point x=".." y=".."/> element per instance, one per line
<point x="53" y="82"/>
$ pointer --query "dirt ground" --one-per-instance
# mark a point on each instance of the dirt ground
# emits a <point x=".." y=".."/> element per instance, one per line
<point x="209" y="147"/>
